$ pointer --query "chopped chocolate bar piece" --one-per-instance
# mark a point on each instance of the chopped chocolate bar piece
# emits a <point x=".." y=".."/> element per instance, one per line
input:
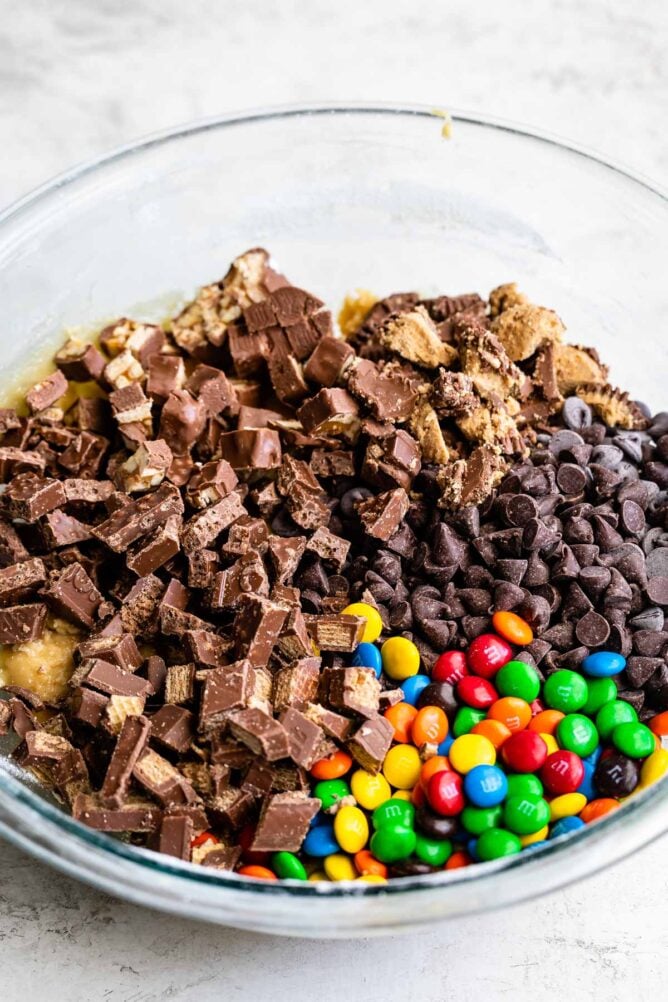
<point x="118" y="649"/>
<point x="87" y="491"/>
<point x="59" y="529"/>
<point x="294" y="641"/>
<point x="263" y="735"/>
<point x="332" y="464"/>
<point x="225" y="689"/>
<point x="297" y="684"/>
<point x="19" y="624"/>
<point x="284" y="555"/>
<point x="80" y="362"/>
<point x="257" y="626"/>
<point x="175" y="622"/>
<point x="140" y="604"/>
<point x="304" y="737"/>
<point x="173" y="727"/>
<point x="336" y="632"/>
<point x="72" y="595"/>
<point x="180" y="683"/>
<point x="14" y="461"/>
<point x="118" y="709"/>
<point x="381" y="516"/>
<point x="211" y="484"/>
<point x="327" y="363"/>
<point x="45" y="393"/>
<point x="156" y="673"/>
<point x="135" y="815"/>
<point x="202" y="568"/>
<point x="147" y="467"/>
<point x="331" y="412"/>
<point x="206" y="649"/>
<point x="204" y="528"/>
<point x="12" y="549"/>
<point x="111" y="679"/>
<point x="333" y="724"/>
<point x="246" y="576"/>
<point x="284" y="822"/>
<point x="393" y="461"/>
<point x="214" y="390"/>
<point x="370" y="743"/>
<point x="162" y="780"/>
<point x="175" y="836"/>
<point x="29" y="496"/>
<point x="138" y="518"/>
<point x="387" y="391"/>
<point x="88" y="706"/>
<point x="330" y="548"/>
<point x="21" y="580"/>
<point x="155" y="550"/>
<point x="130" y="745"/>
<point x="182" y="421"/>
<point x="166" y="375"/>
<point x="356" y="690"/>
<point x="251" y="449"/>
<point x="231" y="807"/>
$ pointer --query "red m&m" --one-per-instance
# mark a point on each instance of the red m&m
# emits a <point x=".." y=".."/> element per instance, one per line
<point x="524" y="751"/>
<point x="487" y="653"/>
<point x="445" y="793"/>
<point x="450" y="667"/>
<point x="562" y="772"/>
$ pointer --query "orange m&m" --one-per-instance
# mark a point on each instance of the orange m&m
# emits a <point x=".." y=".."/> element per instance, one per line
<point x="512" y="628"/>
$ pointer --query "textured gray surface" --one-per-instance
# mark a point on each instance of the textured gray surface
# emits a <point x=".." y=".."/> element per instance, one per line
<point x="80" y="76"/>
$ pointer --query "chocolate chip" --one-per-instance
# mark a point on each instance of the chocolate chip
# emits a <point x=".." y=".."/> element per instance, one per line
<point x="592" y="630"/>
<point x="576" y="414"/>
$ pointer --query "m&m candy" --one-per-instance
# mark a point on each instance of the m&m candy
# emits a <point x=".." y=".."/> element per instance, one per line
<point x="487" y="654"/>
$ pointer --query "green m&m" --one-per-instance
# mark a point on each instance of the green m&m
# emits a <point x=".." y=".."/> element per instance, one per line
<point x="392" y="843"/>
<point x="435" y="852"/>
<point x="566" y="691"/>
<point x="393" y="812"/>
<point x="287" y="866"/>
<point x="477" y="820"/>
<point x="601" y="691"/>
<point x="634" y="740"/>
<point x="496" y="843"/>
<point x="331" y="791"/>
<point x="465" y="720"/>
<point x="577" y="733"/>
<point x="525" y="816"/>
<point x="519" y="679"/>
<point x="525" y="785"/>
<point x="612" y="714"/>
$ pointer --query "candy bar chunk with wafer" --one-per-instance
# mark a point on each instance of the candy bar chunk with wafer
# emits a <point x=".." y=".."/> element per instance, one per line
<point x="203" y="529"/>
<point x="47" y="392"/>
<point x="370" y="743"/>
<point x="205" y="649"/>
<point x="180" y="684"/>
<point x="263" y="735"/>
<point x="119" y="649"/>
<point x="112" y="680"/>
<point x="140" y="605"/>
<point x="336" y="632"/>
<point x="257" y="627"/>
<point x="118" y="708"/>
<point x="355" y="690"/>
<point x="231" y="807"/>
<point x="80" y="362"/>
<point x="162" y="780"/>
<point x="382" y="515"/>
<point x="135" y="815"/>
<point x="331" y="412"/>
<point x="305" y="737"/>
<point x="333" y="724"/>
<point x="296" y="684"/>
<point x="154" y="551"/>
<point x="130" y="744"/>
<point x="284" y="822"/>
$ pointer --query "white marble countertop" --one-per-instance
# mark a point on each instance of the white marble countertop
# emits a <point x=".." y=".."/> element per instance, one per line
<point x="78" y="77"/>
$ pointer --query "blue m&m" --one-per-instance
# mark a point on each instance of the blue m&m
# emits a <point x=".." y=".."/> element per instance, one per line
<point x="486" y="785"/>
<point x="603" y="664"/>
<point x="367" y="655"/>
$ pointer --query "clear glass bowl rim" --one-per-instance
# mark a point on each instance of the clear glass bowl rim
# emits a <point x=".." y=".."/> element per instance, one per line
<point x="642" y="818"/>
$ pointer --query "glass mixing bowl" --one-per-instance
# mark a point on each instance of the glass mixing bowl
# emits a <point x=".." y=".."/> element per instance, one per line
<point x="343" y="197"/>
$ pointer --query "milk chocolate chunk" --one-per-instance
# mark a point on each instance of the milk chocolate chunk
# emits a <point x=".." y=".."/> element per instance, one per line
<point x="119" y="649"/>
<point x="19" y="624"/>
<point x="45" y="393"/>
<point x="112" y="680"/>
<point x="54" y="756"/>
<point x="225" y="689"/>
<point x="166" y="375"/>
<point x="383" y="388"/>
<point x="72" y="595"/>
<point x="162" y="780"/>
<point x="284" y="822"/>
<point x="204" y="528"/>
<point x="393" y="461"/>
<point x="202" y="568"/>
<point x="257" y="626"/>
<point x="334" y="725"/>
<point x="294" y="641"/>
<point x="182" y="421"/>
<point x="29" y="496"/>
<point x="88" y="706"/>
<point x="135" y="815"/>
<point x="336" y="632"/>
<point x="304" y="737"/>
<point x="370" y="743"/>
<point x="87" y="492"/>
<point x="284" y="556"/>
<point x="130" y="404"/>
<point x="213" y="482"/>
<point x="246" y="576"/>
<point x="339" y="463"/>
<point x="356" y="690"/>
<point x="174" y="836"/>
<point x="137" y="518"/>
<point x="246" y="534"/>
<point x="58" y="529"/>
<point x="175" y="622"/>
<point x="131" y="743"/>
<point x="214" y="390"/>
<point x="331" y="412"/>
<point x="21" y="580"/>
<point x="296" y="684"/>
<point x="381" y="516"/>
<point x="14" y="461"/>
<point x="12" y="550"/>
<point x="260" y="732"/>
<point x="328" y="361"/>
<point x="155" y="550"/>
<point x="231" y="807"/>
<point x="205" y="649"/>
<point x="173" y="727"/>
<point x="251" y="449"/>
<point x="287" y="378"/>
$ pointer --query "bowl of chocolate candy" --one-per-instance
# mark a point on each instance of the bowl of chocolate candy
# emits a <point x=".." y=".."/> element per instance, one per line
<point x="333" y="519"/>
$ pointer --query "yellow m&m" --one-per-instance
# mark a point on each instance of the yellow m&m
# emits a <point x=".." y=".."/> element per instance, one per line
<point x="471" y="750"/>
<point x="401" y="658"/>
<point x="374" y="624"/>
